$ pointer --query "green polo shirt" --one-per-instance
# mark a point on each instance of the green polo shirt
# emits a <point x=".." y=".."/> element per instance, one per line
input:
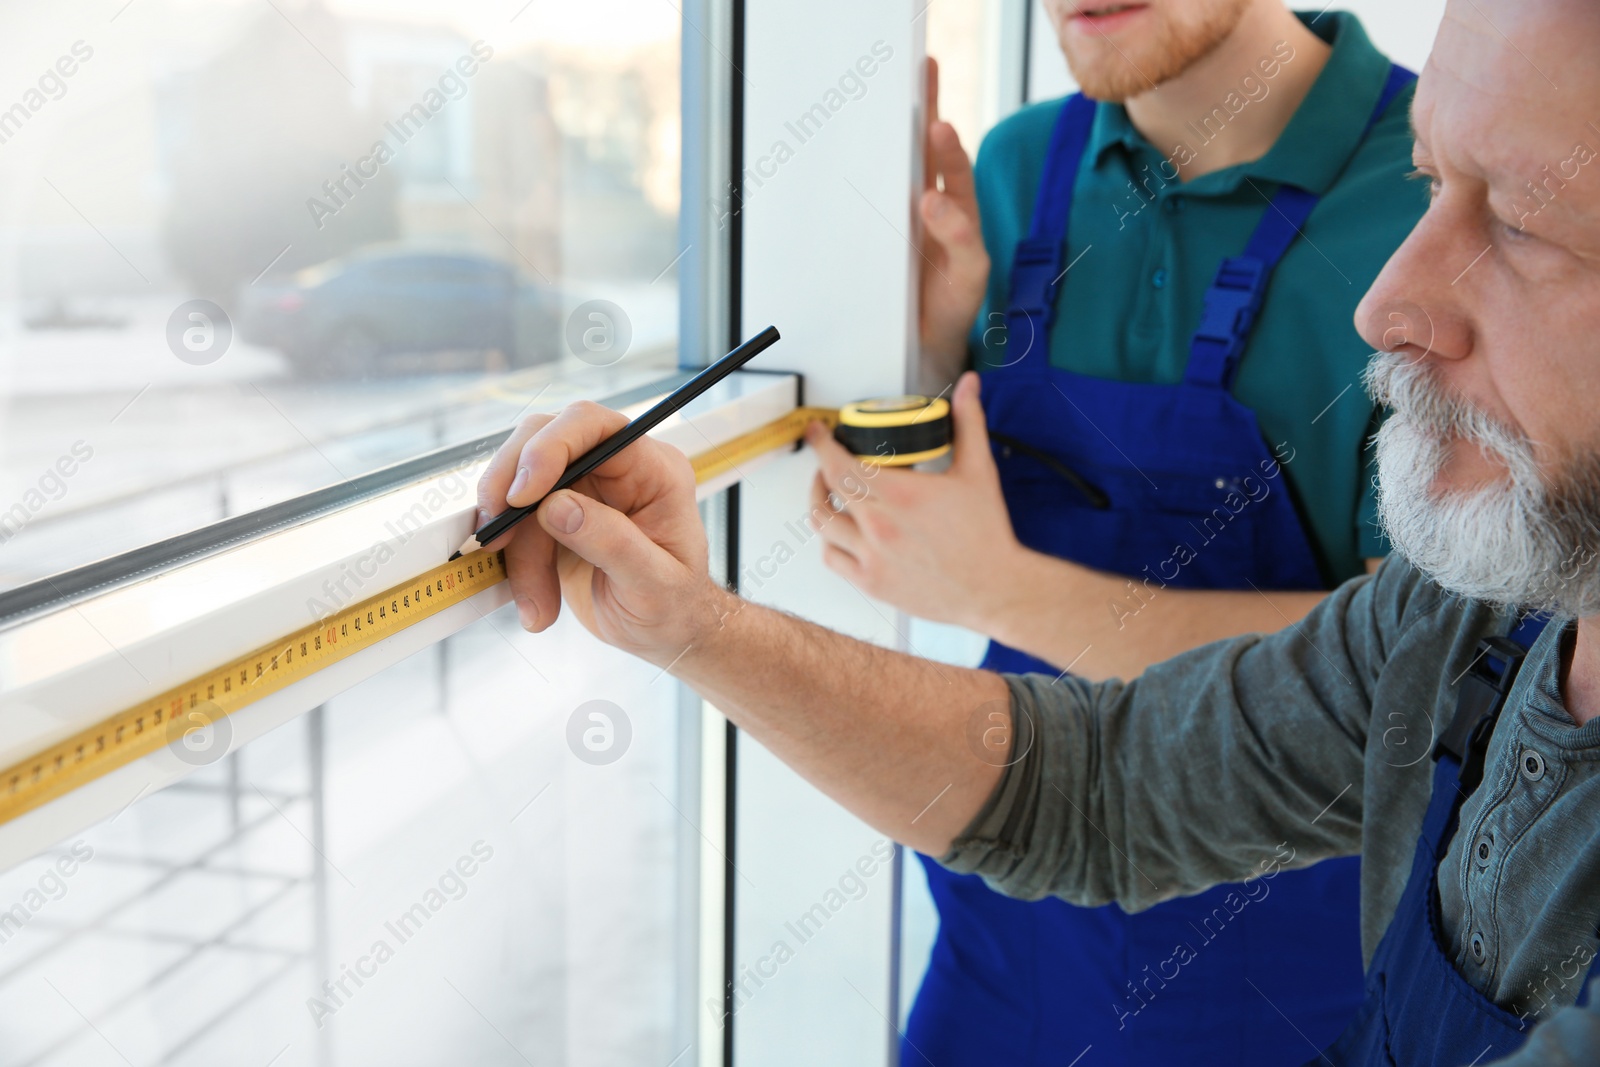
<point x="1150" y="247"/>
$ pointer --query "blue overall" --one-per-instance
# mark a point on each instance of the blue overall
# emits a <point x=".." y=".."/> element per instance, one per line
<point x="1170" y="485"/>
<point x="1419" y="1010"/>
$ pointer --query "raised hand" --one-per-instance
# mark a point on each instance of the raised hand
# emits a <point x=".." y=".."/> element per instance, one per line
<point x="955" y="266"/>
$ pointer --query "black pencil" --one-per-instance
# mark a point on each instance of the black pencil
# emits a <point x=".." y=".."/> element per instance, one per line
<point x="586" y="463"/>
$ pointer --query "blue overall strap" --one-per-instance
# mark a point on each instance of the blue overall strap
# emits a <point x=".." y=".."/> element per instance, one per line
<point x="1528" y="628"/>
<point x="1235" y="296"/>
<point x="1484" y="689"/>
<point x="1036" y="265"/>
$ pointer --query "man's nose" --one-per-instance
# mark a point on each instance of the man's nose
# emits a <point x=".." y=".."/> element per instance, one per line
<point x="1414" y="304"/>
<point x="1399" y="324"/>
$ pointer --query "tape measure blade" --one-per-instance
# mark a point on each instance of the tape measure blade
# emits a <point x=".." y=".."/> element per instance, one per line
<point x="147" y="727"/>
<point x="780" y="433"/>
<point x="153" y="724"/>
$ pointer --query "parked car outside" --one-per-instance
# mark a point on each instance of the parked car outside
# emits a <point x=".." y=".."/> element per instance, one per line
<point x="345" y="317"/>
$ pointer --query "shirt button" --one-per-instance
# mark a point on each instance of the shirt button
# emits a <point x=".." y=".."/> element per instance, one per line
<point x="1159" y="279"/>
<point x="1482" y="849"/>
<point x="1477" y="947"/>
<point x="1532" y="765"/>
<point x="1173" y="205"/>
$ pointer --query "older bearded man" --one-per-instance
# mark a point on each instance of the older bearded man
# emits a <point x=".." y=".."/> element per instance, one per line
<point x="1393" y="722"/>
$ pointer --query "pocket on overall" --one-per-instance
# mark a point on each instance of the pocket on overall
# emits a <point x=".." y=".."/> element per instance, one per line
<point x="1184" y="530"/>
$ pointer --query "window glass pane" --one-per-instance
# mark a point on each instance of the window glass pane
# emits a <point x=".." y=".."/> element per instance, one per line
<point x="965" y="37"/>
<point x="247" y="250"/>
<point x="473" y="857"/>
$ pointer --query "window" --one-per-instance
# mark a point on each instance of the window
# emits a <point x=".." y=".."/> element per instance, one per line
<point x="978" y="46"/>
<point x="257" y="249"/>
<point x="268" y="266"/>
<point x="278" y="842"/>
<point x="199" y="922"/>
<point x="471" y="857"/>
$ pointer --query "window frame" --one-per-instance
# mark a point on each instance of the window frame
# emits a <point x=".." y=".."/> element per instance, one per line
<point x="828" y="253"/>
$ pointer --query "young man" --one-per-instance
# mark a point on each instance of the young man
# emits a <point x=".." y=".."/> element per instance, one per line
<point x="1171" y="378"/>
<point x="1481" y="852"/>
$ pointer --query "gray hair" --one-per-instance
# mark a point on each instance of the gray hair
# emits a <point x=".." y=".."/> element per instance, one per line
<point x="1532" y="542"/>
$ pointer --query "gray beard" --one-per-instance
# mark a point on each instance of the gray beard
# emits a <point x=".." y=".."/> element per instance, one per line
<point x="1528" y="543"/>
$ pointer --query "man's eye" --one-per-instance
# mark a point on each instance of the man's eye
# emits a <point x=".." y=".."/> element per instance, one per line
<point x="1514" y="231"/>
<point x="1423" y="176"/>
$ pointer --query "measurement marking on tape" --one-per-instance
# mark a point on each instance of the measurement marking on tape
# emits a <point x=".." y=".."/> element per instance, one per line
<point x="169" y="718"/>
<point x="780" y="432"/>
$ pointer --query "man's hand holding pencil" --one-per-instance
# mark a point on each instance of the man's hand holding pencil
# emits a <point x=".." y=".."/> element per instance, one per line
<point x="624" y="545"/>
<point x="616" y="531"/>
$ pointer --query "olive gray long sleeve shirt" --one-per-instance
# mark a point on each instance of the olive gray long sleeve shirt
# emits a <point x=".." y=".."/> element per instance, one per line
<point x="1259" y="753"/>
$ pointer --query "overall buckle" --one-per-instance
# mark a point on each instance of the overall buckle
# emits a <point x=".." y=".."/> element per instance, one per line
<point x="1034" y="270"/>
<point x="1479" y="702"/>
<point x="1232" y="302"/>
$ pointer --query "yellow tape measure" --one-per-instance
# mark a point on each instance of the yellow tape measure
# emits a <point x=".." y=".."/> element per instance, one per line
<point x="892" y="431"/>
<point x="896" y="431"/>
<point x="779" y="433"/>
<point x="174" y="717"/>
<point x="184" y="714"/>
